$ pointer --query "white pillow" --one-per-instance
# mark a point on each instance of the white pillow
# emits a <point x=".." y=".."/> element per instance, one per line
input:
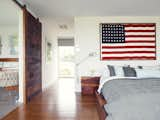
<point x="119" y="71"/>
<point x="105" y="74"/>
<point x="148" y="73"/>
<point x="155" y="67"/>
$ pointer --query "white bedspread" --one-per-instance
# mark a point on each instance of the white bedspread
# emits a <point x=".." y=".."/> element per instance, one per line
<point x="130" y="99"/>
<point x="106" y="79"/>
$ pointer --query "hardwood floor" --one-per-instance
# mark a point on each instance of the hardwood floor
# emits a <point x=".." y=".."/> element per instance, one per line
<point x="58" y="102"/>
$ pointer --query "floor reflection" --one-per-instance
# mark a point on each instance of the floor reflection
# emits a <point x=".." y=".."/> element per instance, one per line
<point x="8" y="101"/>
<point x="66" y="96"/>
<point x="58" y="102"/>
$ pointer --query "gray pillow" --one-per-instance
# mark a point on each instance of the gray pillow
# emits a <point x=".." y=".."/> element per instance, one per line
<point x="129" y="72"/>
<point x="111" y="70"/>
<point x="140" y="67"/>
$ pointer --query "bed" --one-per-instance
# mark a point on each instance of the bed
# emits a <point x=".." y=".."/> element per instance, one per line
<point x="130" y="97"/>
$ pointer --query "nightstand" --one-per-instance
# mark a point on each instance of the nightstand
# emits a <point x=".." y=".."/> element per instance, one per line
<point x="89" y="84"/>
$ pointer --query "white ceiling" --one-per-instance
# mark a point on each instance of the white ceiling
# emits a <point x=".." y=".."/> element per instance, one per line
<point x="8" y="13"/>
<point x="71" y="8"/>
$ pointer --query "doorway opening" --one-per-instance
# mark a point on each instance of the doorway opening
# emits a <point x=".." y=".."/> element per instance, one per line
<point x="66" y="58"/>
<point x="66" y="63"/>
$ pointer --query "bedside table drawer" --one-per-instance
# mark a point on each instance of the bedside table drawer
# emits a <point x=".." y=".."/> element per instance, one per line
<point x="89" y="85"/>
<point x="90" y="80"/>
<point x="87" y="90"/>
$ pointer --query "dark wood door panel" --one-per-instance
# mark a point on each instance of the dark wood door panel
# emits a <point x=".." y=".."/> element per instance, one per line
<point x="33" y="41"/>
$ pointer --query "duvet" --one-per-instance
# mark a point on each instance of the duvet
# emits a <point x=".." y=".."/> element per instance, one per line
<point x="132" y="99"/>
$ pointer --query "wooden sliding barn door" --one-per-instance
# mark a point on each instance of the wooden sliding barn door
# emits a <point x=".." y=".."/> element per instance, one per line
<point x="33" y="41"/>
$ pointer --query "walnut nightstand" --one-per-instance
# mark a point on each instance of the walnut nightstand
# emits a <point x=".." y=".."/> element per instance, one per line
<point x="89" y="84"/>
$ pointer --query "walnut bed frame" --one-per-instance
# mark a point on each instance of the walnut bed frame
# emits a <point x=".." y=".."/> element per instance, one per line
<point x="100" y="106"/>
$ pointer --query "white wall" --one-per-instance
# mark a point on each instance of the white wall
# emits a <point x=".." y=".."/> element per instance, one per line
<point x="21" y="58"/>
<point x="5" y="32"/>
<point x="88" y="40"/>
<point x="52" y="32"/>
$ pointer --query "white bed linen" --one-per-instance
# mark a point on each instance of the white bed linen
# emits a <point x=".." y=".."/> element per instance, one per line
<point x="130" y="99"/>
<point x="105" y="79"/>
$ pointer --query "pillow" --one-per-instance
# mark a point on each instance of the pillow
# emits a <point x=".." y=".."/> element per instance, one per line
<point x="111" y="70"/>
<point x="104" y="75"/>
<point x="129" y="72"/>
<point x="148" y="73"/>
<point x="153" y="67"/>
<point x="119" y="71"/>
<point x="140" y="67"/>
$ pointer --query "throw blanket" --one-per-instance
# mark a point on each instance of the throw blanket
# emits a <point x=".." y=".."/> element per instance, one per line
<point x="132" y="99"/>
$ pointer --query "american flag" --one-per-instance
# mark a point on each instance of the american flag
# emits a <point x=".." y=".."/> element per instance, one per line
<point x="133" y="41"/>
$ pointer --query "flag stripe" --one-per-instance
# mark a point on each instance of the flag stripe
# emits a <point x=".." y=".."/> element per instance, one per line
<point x="127" y="54"/>
<point x="140" y="36"/>
<point x="130" y="58"/>
<point x="135" y="41"/>
<point x="142" y="41"/>
<point x="128" y="49"/>
<point x="130" y="44"/>
<point x="139" y="33"/>
<point x="124" y="52"/>
<point x="139" y="25"/>
<point x="115" y="47"/>
<point x="139" y="30"/>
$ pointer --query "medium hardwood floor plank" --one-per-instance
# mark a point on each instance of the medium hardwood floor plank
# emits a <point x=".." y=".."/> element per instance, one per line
<point x="56" y="103"/>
